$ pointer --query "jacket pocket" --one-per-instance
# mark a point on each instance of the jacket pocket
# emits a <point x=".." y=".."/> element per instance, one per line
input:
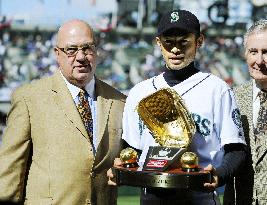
<point x="41" y="201"/>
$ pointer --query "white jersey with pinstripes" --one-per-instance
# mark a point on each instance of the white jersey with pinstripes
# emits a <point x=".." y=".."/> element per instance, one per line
<point x="211" y="103"/>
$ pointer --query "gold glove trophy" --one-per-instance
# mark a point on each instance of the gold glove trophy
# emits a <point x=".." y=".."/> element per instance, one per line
<point x="168" y="165"/>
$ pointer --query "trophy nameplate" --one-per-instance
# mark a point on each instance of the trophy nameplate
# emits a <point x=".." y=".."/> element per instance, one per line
<point x="162" y="158"/>
<point x="174" y="178"/>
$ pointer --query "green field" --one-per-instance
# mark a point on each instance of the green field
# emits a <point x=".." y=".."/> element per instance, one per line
<point x="128" y="195"/>
<point x="128" y="200"/>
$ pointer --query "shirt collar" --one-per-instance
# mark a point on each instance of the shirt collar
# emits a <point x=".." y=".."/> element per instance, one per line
<point x="74" y="90"/>
<point x="256" y="91"/>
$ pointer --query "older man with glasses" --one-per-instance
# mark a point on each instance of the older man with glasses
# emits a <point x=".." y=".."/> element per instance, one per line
<point x="64" y="131"/>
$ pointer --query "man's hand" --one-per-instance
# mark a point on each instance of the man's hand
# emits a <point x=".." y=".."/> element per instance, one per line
<point x="110" y="174"/>
<point x="210" y="187"/>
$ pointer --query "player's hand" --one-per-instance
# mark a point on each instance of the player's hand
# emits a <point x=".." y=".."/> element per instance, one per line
<point x="210" y="187"/>
<point x="110" y="174"/>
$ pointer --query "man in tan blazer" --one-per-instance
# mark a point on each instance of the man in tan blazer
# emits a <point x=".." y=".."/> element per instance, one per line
<point x="46" y="156"/>
<point x="250" y="185"/>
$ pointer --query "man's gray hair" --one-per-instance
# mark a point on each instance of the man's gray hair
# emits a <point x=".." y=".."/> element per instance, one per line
<point x="258" y="26"/>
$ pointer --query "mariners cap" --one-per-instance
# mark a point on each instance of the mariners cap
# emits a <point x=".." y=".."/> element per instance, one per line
<point x="181" y="19"/>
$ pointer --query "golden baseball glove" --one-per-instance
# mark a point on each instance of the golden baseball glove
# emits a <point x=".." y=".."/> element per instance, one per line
<point x="165" y="115"/>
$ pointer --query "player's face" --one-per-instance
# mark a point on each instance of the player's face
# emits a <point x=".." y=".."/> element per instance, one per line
<point x="256" y="56"/>
<point x="178" y="48"/>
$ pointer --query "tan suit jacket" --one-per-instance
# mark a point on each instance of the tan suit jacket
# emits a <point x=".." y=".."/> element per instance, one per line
<point x="250" y="184"/>
<point x="46" y="156"/>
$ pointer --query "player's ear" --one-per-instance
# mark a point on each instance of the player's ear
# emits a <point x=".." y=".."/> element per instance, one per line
<point x="158" y="41"/>
<point x="200" y="40"/>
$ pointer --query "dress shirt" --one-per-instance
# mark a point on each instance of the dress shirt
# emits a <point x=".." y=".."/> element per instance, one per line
<point x="90" y="88"/>
<point x="256" y="103"/>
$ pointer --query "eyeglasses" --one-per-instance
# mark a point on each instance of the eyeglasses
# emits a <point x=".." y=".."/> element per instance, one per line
<point x="73" y="50"/>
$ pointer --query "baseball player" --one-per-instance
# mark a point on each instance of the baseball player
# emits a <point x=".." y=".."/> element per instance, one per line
<point x="219" y="141"/>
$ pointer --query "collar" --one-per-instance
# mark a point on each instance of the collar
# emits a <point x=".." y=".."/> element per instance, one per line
<point x="173" y="77"/>
<point x="255" y="91"/>
<point x="74" y="90"/>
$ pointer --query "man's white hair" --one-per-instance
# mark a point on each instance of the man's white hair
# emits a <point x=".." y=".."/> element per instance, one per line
<point x="257" y="27"/>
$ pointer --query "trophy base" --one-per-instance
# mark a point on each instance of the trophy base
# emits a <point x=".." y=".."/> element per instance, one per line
<point x="175" y="178"/>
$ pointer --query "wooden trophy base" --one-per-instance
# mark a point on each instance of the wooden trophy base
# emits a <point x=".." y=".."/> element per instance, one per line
<point x="174" y="178"/>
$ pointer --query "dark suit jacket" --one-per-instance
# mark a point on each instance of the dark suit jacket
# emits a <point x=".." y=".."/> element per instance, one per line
<point x="250" y="183"/>
<point x="46" y="156"/>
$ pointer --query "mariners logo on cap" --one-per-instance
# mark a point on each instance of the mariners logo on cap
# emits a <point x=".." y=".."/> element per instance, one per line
<point x="174" y="17"/>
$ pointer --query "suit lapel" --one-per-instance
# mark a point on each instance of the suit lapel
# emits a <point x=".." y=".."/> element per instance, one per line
<point x="248" y="107"/>
<point x="103" y="109"/>
<point x="64" y="100"/>
<point x="248" y="110"/>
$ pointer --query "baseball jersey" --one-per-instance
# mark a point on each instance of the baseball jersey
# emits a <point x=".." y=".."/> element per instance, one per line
<point x="211" y="104"/>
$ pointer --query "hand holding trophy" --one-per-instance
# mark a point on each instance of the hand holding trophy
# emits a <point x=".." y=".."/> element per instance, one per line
<point x="168" y="165"/>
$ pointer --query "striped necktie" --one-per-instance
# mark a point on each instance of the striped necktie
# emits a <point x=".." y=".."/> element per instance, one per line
<point x="261" y="126"/>
<point x="85" y="113"/>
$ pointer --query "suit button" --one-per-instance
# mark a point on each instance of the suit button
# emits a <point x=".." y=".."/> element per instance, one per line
<point x="93" y="175"/>
<point x="257" y="170"/>
<point x="88" y="201"/>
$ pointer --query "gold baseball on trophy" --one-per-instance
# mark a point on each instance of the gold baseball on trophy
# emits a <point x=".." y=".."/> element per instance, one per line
<point x="129" y="157"/>
<point x="189" y="162"/>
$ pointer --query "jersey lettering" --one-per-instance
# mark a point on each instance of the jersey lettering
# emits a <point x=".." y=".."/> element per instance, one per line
<point x="141" y="126"/>
<point x="202" y="125"/>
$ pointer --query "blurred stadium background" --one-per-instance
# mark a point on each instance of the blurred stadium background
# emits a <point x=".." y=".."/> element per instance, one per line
<point x="125" y="32"/>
